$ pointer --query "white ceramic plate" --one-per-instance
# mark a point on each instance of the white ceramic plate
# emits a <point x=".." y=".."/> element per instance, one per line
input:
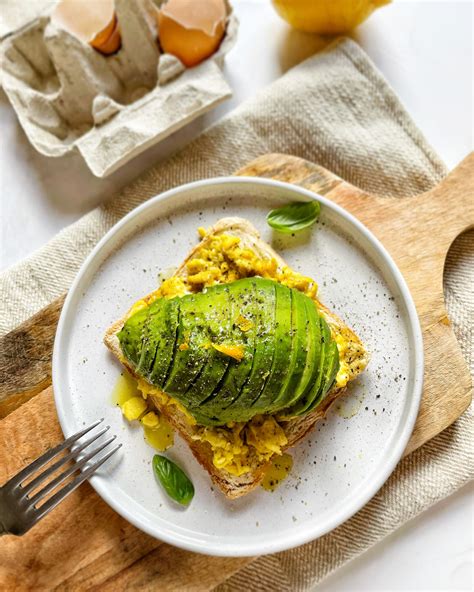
<point x="341" y="464"/>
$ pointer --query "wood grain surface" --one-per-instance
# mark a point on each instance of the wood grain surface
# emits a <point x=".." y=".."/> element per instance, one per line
<point x="83" y="544"/>
<point x="25" y="358"/>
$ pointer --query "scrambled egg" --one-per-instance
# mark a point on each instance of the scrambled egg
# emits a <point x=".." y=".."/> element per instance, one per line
<point x="222" y="259"/>
<point x="236" y="446"/>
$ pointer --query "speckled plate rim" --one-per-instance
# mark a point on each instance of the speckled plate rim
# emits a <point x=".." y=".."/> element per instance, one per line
<point x="313" y="529"/>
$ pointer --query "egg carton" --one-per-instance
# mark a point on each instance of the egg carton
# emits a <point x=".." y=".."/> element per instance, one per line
<point x="69" y="97"/>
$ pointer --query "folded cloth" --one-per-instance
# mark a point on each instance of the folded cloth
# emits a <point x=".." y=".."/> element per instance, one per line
<point x="336" y="110"/>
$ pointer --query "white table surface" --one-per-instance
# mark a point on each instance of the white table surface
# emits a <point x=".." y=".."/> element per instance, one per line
<point x="425" y="50"/>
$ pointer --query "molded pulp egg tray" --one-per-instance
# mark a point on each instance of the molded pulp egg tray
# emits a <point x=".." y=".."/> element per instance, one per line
<point x="69" y="96"/>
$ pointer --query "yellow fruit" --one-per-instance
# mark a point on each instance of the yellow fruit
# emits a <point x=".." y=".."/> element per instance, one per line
<point x="326" y="17"/>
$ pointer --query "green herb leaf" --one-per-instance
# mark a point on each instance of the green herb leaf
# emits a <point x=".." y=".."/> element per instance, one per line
<point x="173" y="479"/>
<point x="294" y="216"/>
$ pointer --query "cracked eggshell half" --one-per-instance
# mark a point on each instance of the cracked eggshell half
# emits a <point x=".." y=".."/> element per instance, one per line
<point x="94" y="23"/>
<point x="191" y="31"/>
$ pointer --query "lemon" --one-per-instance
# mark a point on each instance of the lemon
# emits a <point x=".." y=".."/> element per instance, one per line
<point x="326" y="17"/>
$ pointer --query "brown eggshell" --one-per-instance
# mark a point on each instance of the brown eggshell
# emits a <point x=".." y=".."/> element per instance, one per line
<point x="108" y="44"/>
<point x="92" y="22"/>
<point x="192" y="31"/>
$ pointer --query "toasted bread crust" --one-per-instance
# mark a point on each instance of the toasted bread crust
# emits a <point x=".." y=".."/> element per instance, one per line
<point x="295" y="429"/>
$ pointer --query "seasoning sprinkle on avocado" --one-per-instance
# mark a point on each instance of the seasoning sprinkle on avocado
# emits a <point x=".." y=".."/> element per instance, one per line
<point x="284" y="362"/>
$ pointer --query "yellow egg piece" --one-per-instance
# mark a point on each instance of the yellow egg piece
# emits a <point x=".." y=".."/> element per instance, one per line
<point x="233" y="351"/>
<point x="150" y="420"/>
<point x="326" y="17"/>
<point x="134" y="408"/>
<point x="190" y="30"/>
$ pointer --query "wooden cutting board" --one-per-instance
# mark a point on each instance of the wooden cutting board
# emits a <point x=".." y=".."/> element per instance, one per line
<point x="83" y="543"/>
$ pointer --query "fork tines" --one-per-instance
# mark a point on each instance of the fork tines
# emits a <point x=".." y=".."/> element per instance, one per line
<point x="19" y="509"/>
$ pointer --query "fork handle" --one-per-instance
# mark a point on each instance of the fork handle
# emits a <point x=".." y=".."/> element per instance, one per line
<point x="4" y="512"/>
<point x="3" y="528"/>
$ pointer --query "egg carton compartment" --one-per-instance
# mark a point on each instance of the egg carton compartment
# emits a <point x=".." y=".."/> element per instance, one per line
<point x="68" y="96"/>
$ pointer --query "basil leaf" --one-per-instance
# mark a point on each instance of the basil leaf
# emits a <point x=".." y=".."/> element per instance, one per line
<point x="173" y="479"/>
<point x="294" y="216"/>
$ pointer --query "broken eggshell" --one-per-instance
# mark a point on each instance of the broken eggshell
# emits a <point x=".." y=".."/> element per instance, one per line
<point x="94" y="23"/>
<point x="111" y="44"/>
<point x="191" y="31"/>
<point x="64" y="91"/>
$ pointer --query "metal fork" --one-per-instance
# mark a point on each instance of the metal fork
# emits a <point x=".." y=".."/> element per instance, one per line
<point x="19" y="509"/>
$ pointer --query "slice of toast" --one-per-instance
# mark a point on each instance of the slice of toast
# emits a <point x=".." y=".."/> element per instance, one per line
<point x="353" y="354"/>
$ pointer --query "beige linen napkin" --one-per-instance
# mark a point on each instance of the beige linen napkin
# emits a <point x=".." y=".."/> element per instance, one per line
<point x="336" y="110"/>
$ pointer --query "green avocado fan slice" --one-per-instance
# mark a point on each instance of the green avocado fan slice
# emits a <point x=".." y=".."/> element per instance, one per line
<point x="317" y="383"/>
<point x="190" y="347"/>
<point x="285" y="393"/>
<point x="254" y="301"/>
<point x="132" y="334"/>
<point x="157" y="325"/>
<point x="273" y="373"/>
<point x="191" y="352"/>
<point x="313" y="370"/>
<point x="218" y="328"/>
<point x="331" y="367"/>
<point x="164" y="329"/>
<point x="266" y="349"/>
<point x="309" y="348"/>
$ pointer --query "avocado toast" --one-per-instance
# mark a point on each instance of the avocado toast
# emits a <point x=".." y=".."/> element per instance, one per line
<point x="237" y="353"/>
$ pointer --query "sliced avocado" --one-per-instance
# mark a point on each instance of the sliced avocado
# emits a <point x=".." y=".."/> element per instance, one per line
<point x="331" y="352"/>
<point x="297" y="361"/>
<point x="268" y="378"/>
<point x="301" y="406"/>
<point x="190" y="351"/>
<point x="331" y="368"/>
<point x="309" y="318"/>
<point x="256" y="302"/>
<point x="313" y="369"/>
<point x="218" y="328"/>
<point x="158" y="354"/>
<point x="131" y="335"/>
<point x="298" y="310"/>
<point x="289" y="359"/>
<point x="312" y="312"/>
<point x="314" y="397"/>
<point x="157" y="313"/>
<point x="246" y="296"/>
<point x="269" y="332"/>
